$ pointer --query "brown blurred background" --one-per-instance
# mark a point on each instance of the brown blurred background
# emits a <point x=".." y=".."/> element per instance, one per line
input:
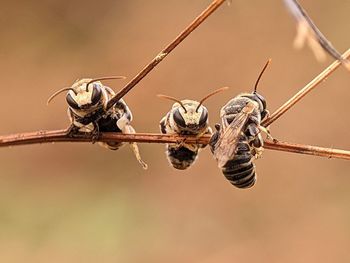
<point x="82" y="203"/>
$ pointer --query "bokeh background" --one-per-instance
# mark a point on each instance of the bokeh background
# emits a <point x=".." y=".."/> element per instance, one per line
<point x="82" y="203"/>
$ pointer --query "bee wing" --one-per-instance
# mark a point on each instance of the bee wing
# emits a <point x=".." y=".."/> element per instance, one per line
<point x="308" y="31"/>
<point x="225" y="147"/>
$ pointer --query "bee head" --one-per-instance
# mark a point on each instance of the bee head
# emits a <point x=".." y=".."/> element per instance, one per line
<point x="257" y="98"/>
<point x="85" y="94"/>
<point x="190" y="115"/>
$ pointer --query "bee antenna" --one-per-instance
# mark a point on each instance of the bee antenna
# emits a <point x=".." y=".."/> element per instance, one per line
<point x="58" y="92"/>
<point x="173" y="99"/>
<point x="209" y="95"/>
<point x="261" y="73"/>
<point x="103" y="78"/>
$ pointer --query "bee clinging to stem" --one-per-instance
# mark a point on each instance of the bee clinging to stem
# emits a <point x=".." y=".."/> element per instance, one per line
<point x="87" y="110"/>
<point x="186" y="117"/>
<point x="238" y="139"/>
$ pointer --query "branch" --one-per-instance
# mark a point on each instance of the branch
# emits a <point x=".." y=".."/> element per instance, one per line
<point x="143" y="73"/>
<point x="63" y="136"/>
<point x="304" y="91"/>
<point x="307" y="149"/>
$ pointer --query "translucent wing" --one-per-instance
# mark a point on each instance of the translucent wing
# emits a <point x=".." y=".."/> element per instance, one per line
<point x="225" y="147"/>
<point x="308" y="32"/>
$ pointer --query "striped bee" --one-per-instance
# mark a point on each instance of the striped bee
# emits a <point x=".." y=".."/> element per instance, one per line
<point x="238" y="139"/>
<point x="186" y="117"/>
<point x="87" y="101"/>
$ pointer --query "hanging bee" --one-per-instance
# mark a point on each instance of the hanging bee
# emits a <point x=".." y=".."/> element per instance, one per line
<point x="238" y="139"/>
<point x="186" y="117"/>
<point x="87" y="101"/>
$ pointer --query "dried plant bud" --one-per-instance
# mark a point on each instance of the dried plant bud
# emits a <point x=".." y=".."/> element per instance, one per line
<point x="307" y="32"/>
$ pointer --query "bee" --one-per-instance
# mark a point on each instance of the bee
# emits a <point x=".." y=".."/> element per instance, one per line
<point x="87" y="103"/>
<point x="238" y="139"/>
<point x="186" y="117"/>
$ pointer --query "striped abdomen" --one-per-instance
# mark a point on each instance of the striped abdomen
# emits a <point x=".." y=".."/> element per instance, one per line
<point x="240" y="170"/>
<point x="109" y="124"/>
<point x="181" y="157"/>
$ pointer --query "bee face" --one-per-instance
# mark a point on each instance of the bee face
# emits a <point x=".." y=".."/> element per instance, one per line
<point x="257" y="98"/>
<point x="190" y="118"/>
<point x="83" y="97"/>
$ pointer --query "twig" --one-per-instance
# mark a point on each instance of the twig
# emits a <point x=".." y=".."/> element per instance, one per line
<point x="143" y="73"/>
<point x="304" y="91"/>
<point x="62" y="136"/>
<point x="308" y="149"/>
<point x="309" y="32"/>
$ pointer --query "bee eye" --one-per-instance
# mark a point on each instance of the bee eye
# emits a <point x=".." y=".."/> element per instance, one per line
<point x="96" y="94"/>
<point x="204" y="117"/>
<point x="179" y="120"/>
<point x="262" y="99"/>
<point x="71" y="102"/>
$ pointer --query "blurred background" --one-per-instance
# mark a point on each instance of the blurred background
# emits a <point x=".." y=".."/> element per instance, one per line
<point x="83" y="203"/>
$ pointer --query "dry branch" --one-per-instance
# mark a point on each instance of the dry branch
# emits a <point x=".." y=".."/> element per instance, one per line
<point x="39" y="137"/>
<point x="308" y="149"/>
<point x="62" y="136"/>
<point x="304" y="91"/>
<point x="143" y="73"/>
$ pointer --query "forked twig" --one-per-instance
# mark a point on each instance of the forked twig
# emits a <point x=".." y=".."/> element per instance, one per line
<point x="144" y="72"/>
<point x="304" y="91"/>
<point x="62" y="136"/>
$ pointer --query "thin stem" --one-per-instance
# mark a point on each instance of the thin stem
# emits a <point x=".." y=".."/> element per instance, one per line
<point x="304" y="91"/>
<point x="62" y="136"/>
<point x="144" y="72"/>
<point x="307" y="149"/>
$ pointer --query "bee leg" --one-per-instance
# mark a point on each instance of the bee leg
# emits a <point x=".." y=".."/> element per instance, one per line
<point x="255" y="140"/>
<point x="181" y="143"/>
<point x="95" y="133"/>
<point x="265" y="115"/>
<point x="252" y="131"/>
<point x="162" y="126"/>
<point x="72" y="130"/>
<point x="209" y="131"/>
<point x="257" y="146"/>
<point x="267" y="132"/>
<point x="128" y="129"/>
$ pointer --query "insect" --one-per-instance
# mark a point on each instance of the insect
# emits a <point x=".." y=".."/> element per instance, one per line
<point x="186" y="117"/>
<point x="238" y="139"/>
<point x="308" y="32"/>
<point x="87" y="100"/>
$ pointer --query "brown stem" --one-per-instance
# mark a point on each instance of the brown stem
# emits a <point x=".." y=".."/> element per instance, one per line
<point x="62" y="136"/>
<point x="304" y="91"/>
<point x="307" y="149"/>
<point x="143" y="73"/>
<point x="39" y="137"/>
